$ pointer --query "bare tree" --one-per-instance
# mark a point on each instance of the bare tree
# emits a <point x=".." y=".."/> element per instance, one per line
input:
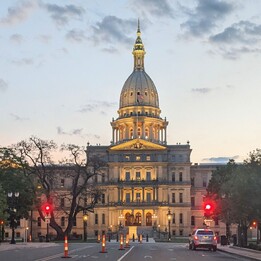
<point x="77" y="169"/>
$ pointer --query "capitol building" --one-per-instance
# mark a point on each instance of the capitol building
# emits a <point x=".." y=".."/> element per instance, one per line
<point x="148" y="186"/>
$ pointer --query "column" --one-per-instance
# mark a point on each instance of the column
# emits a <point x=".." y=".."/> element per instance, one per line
<point x="119" y="195"/>
<point x="132" y="194"/>
<point x="113" y="130"/>
<point x="165" y="130"/>
<point x="143" y="194"/>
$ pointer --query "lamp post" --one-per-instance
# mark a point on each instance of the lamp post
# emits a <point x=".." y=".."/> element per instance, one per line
<point x="169" y="215"/>
<point x="85" y="219"/>
<point x="159" y="230"/>
<point x="12" y="201"/>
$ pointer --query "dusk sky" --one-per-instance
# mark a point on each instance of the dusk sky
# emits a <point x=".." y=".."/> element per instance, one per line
<point x="63" y="65"/>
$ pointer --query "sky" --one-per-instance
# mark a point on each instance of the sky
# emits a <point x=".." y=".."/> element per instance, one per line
<point x="63" y="64"/>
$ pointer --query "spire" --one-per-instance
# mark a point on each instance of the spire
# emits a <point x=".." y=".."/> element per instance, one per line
<point x="138" y="51"/>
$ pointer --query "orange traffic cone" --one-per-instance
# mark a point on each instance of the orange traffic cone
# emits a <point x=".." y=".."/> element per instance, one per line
<point x="66" y="248"/>
<point x="103" y="244"/>
<point x="121" y="242"/>
<point x="98" y="238"/>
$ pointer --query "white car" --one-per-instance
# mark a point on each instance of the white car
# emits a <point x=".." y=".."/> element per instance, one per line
<point x="203" y="238"/>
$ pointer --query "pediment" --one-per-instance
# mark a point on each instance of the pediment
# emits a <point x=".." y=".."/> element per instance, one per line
<point x="138" y="144"/>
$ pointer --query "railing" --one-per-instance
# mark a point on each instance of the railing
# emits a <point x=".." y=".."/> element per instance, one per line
<point x="142" y="203"/>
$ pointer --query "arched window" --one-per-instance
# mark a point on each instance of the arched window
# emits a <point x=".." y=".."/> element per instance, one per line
<point x="138" y="219"/>
<point x="139" y="132"/>
<point x="148" y="219"/>
<point x="131" y="133"/>
<point x="127" y="219"/>
<point x="146" y="133"/>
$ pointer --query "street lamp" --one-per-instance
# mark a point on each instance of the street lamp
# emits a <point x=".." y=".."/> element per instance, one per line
<point x="12" y="201"/>
<point x="159" y="230"/>
<point x="169" y="215"/>
<point x="85" y="219"/>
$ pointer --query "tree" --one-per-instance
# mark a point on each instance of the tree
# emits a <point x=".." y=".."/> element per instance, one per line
<point x="237" y="188"/>
<point x="78" y="168"/>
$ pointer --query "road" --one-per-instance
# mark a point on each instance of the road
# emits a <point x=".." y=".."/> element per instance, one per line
<point x="137" y="252"/>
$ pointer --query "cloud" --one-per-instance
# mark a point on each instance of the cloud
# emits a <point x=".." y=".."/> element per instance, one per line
<point x="97" y="105"/>
<point x="24" y="61"/>
<point x="205" y="16"/>
<point x="16" y="38"/>
<point x="220" y="159"/>
<point x="239" y="38"/>
<point x="19" y="13"/>
<point x="18" y="118"/>
<point x="44" y="38"/>
<point x="76" y="35"/>
<point x="62" y="14"/>
<point x="113" y="30"/>
<point x="76" y="132"/>
<point x="3" y="85"/>
<point x="201" y="90"/>
<point x="155" y="8"/>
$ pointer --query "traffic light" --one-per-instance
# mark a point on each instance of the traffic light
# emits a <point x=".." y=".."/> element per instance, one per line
<point x="208" y="209"/>
<point x="47" y="208"/>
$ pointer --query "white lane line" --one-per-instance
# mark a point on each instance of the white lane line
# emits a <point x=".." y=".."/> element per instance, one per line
<point x="125" y="254"/>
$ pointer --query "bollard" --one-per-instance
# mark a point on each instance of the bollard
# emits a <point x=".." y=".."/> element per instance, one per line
<point x="66" y="248"/>
<point x="121" y="242"/>
<point x="103" y="244"/>
<point x="98" y="238"/>
<point x="147" y="238"/>
<point x="127" y="241"/>
<point x="133" y="238"/>
<point x="140" y="238"/>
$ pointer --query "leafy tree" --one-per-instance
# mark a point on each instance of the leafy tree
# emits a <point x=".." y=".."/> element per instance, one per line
<point x="36" y="160"/>
<point x="237" y="191"/>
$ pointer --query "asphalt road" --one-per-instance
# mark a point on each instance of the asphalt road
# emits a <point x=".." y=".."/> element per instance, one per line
<point x="137" y="252"/>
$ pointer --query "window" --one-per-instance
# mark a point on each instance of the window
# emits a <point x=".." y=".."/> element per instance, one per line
<point x="173" y="218"/>
<point x="139" y="132"/>
<point x="173" y="177"/>
<point x="138" y="196"/>
<point x="103" y="198"/>
<point x="62" y="183"/>
<point x="148" y="175"/>
<point x="103" y="218"/>
<point x="85" y="202"/>
<point x="103" y="177"/>
<point x="148" y="197"/>
<point x="192" y="201"/>
<point x="148" y="157"/>
<point x="180" y="197"/>
<point x="62" y="221"/>
<point x="127" y="176"/>
<point x="96" y="232"/>
<point x="137" y="175"/>
<point x="137" y="158"/>
<point x="6" y="234"/>
<point x="193" y="182"/>
<point x="180" y="177"/>
<point x="216" y="221"/>
<point x="38" y="221"/>
<point x="204" y="182"/>
<point x="127" y="197"/>
<point x="96" y="219"/>
<point x="192" y="222"/>
<point x="62" y="202"/>
<point x="173" y="232"/>
<point x="181" y="232"/>
<point x="18" y="234"/>
<point x="181" y="218"/>
<point x="173" y="198"/>
<point x="74" y="222"/>
<point x="146" y="133"/>
<point x="127" y="158"/>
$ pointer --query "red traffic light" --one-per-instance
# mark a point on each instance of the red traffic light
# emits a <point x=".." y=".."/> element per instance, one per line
<point x="208" y="208"/>
<point x="47" y="208"/>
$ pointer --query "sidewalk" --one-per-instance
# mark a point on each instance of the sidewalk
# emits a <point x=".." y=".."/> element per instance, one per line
<point x="7" y="246"/>
<point x="239" y="251"/>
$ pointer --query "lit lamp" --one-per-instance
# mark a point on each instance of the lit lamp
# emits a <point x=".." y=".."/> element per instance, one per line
<point x="159" y="230"/>
<point x="85" y="219"/>
<point x="121" y="218"/>
<point x="12" y="201"/>
<point x="169" y="215"/>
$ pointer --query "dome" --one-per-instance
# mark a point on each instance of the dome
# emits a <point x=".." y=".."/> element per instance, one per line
<point x="139" y="90"/>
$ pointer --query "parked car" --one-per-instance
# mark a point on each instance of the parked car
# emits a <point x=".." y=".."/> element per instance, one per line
<point x="203" y="238"/>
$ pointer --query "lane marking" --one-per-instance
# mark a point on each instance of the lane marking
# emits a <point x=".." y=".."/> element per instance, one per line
<point x="61" y="254"/>
<point x="148" y="257"/>
<point x="125" y="254"/>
